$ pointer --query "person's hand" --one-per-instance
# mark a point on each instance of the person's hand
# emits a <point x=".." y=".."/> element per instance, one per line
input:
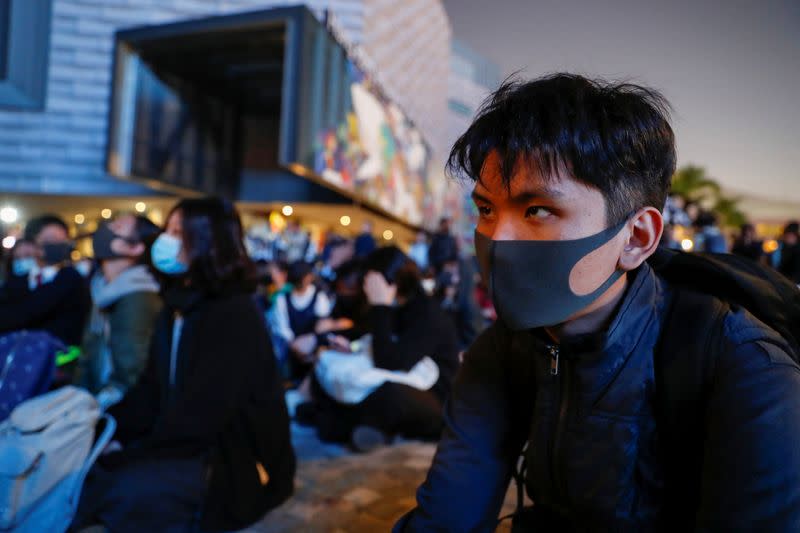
<point x="378" y="290"/>
<point x="339" y="343"/>
<point x="324" y="325"/>
<point x="303" y="347"/>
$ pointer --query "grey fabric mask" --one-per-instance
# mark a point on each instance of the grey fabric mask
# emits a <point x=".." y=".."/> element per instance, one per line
<point x="529" y="280"/>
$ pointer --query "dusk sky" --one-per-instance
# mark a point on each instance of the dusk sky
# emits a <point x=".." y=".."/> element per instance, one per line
<point x="730" y="68"/>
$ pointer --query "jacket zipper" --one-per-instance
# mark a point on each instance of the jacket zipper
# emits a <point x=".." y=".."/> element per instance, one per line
<point x="562" y="375"/>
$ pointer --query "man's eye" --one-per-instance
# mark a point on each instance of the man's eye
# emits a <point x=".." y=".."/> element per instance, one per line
<point x="484" y="211"/>
<point x="537" y="212"/>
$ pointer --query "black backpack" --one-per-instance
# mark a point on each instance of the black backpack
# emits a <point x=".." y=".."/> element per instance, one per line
<point x="705" y="287"/>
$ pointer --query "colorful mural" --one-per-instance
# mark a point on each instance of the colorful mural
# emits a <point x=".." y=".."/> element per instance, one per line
<point x="357" y="139"/>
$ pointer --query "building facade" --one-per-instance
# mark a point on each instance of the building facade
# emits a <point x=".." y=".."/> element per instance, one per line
<point x="56" y="77"/>
<point x="472" y="78"/>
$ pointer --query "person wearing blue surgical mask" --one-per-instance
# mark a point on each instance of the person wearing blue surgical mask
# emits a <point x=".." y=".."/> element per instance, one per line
<point x="21" y="261"/>
<point x="205" y="431"/>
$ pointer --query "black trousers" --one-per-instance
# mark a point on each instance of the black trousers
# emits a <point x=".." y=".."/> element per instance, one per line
<point x="160" y="495"/>
<point x="393" y="408"/>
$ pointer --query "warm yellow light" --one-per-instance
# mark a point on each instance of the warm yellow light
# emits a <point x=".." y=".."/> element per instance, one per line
<point x="9" y="214"/>
<point x="687" y="245"/>
<point x="276" y="221"/>
<point x="141" y="207"/>
<point x="287" y="210"/>
<point x="75" y="255"/>
<point x="79" y="218"/>
<point x="345" y="220"/>
<point x="770" y="246"/>
<point x="105" y="213"/>
<point x="388" y="235"/>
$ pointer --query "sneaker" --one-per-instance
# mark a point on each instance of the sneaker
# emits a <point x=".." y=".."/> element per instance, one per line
<point x="366" y="439"/>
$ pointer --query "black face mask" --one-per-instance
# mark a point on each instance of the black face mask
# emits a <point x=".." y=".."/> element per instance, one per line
<point x="529" y="280"/>
<point x="55" y="253"/>
<point x="101" y="243"/>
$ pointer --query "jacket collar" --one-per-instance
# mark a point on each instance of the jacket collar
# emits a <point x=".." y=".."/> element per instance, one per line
<point x="635" y="327"/>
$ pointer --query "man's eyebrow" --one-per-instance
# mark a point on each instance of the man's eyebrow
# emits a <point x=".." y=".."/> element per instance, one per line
<point x="478" y="197"/>
<point x="525" y="196"/>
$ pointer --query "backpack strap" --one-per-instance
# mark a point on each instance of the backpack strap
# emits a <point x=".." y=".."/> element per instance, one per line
<point x="684" y="361"/>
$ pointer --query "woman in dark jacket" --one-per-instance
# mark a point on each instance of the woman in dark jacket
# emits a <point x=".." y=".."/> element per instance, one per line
<point x="205" y="432"/>
<point x="406" y="325"/>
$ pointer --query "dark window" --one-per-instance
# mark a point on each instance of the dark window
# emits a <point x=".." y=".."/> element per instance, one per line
<point x="5" y="6"/>
<point x="24" y="44"/>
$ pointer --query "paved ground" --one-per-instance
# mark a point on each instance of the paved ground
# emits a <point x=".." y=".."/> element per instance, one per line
<point x="338" y="492"/>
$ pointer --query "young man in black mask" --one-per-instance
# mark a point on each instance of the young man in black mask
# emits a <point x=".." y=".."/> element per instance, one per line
<point x="570" y="178"/>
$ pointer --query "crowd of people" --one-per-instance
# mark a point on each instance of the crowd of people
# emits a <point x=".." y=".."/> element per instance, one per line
<point x="191" y="345"/>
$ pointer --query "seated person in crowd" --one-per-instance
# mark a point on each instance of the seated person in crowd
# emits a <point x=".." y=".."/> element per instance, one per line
<point x="406" y="325"/>
<point x="20" y="264"/>
<point x="126" y="303"/>
<point x="295" y="317"/>
<point x="56" y="298"/>
<point x="349" y="303"/>
<point x="455" y="291"/>
<point x="204" y="433"/>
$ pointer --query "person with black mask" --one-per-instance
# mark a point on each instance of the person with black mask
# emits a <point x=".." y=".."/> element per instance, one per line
<point x="633" y="400"/>
<point x="56" y="297"/>
<point x="204" y="434"/>
<point x="126" y="303"/>
<point x="406" y="326"/>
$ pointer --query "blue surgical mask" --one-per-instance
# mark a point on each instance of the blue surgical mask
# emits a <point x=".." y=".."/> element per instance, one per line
<point x="165" y="254"/>
<point x="22" y="266"/>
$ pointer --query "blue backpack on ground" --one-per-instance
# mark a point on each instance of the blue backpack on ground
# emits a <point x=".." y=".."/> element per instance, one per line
<point x="27" y="367"/>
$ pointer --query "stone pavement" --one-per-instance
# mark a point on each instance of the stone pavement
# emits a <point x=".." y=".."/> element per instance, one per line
<point x="341" y="492"/>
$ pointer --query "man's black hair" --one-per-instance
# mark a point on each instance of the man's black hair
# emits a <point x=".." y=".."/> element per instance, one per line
<point x="792" y="227"/>
<point x="35" y="226"/>
<point x="615" y="137"/>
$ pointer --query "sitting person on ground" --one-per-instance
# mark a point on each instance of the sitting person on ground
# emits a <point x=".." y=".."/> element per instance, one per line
<point x="619" y="392"/>
<point x="406" y="326"/>
<point x="56" y="298"/>
<point x="455" y="291"/>
<point x="295" y="317"/>
<point x="204" y="434"/>
<point x="126" y="303"/>
<point x="21" y="262"/>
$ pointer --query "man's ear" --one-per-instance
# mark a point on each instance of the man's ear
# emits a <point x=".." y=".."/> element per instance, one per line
<point x="646" y="228"/>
